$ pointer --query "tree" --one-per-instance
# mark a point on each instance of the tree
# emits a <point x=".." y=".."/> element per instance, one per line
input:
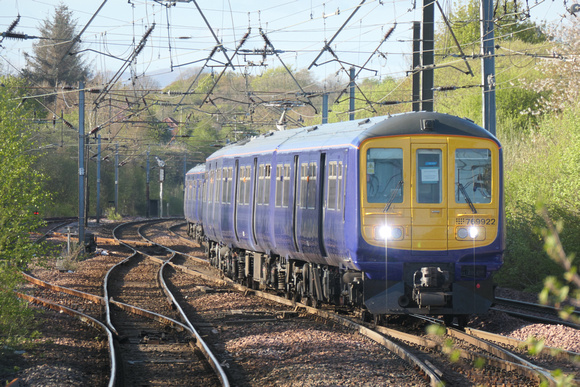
<point x="21" y="195"/>
<point x="52" y="61"/>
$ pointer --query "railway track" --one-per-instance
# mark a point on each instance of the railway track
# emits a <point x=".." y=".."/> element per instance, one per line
<point x="246" y="332"/>
<point x="534" y="312"/>
<point x="501" y="364"/>
<point x="151" y="352"/>
<point x="222" y="324"/>
<point x="91" y="321"/>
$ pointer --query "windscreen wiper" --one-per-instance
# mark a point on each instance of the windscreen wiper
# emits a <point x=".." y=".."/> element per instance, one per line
<point x="467" y="198"/>
<point x="394" y="193"/>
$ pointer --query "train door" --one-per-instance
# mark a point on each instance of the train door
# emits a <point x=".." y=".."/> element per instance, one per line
<point x="254" y="200"/>
<point x="235" y="198"/>
<point x="429" y="201"/>
<point x="295" y="177"/>
<point x="309" y="215"/>
<point x="321" y="205"/>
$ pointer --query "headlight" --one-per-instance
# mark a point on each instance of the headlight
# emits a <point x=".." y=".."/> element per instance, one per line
<point x="462" y="233"/>
<point x="388" y="233"/>
<point x="471" y="233"/>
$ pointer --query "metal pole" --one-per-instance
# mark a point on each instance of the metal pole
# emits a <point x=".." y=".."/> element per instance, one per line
<point x="147" y="199"/>
<point x="488" y="66"/>
<point x="81" y="163"/>
<point x="161" y="192"/>
<point x="68" y="241"/>
<point x="325" y="108"/>
<point x="184" y="168"/>
<point x="98" y="178"/>
<point x="351" y="86"/>
<point x="116" y="178"/>
<point x="87" y="182"/>
<point x="416" y="66"/>
<point x="428" y="54"/>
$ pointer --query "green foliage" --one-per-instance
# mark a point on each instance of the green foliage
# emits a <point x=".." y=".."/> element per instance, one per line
<point x="542" y="165"/>
<point x="515" y="99"/>
<point x="512" y="102"/>
<point x="61" y="168"/>
<point x="510" y="23"/>
<point x="21" y="194"/>
<point x="15" y="318"/>
<point x="111" y="214"/>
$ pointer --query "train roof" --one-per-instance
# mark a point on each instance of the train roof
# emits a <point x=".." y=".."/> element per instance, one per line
<point x="199" y="168"/>
<point x="353" y="133"/>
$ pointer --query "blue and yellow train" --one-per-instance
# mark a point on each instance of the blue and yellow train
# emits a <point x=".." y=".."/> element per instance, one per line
<point x="396" y="214"/>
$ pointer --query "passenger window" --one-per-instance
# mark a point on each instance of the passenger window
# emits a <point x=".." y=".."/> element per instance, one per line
<point x="248" y="183"/>
<point x="384" y="175"/>
<point x="267" y="182"/>
<point x="286" y="193"/>
<point x="260" y="194"/>
<point x="332" y="179"/>
<point x="303" y="184"/>
<point x="473" y="175"/>
<point x="279" y="185"/>
<point x="428" y="175"/>
<point x="312" y="186"/>
<point x="339" y="196"/>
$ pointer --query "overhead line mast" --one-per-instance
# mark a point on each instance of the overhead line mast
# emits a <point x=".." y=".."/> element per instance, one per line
<point x="488" y="66"/>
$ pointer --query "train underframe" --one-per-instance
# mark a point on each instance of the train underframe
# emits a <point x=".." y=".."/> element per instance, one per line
<point x="432" y="291"/>
<point x="312" y="284"/>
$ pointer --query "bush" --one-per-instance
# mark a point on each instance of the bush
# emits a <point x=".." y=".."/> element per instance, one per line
<point x="540" y="167"/>
<point x="111" y="214"/>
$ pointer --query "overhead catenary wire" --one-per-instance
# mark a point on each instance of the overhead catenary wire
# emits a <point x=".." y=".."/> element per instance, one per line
<point x="285" y="23"/>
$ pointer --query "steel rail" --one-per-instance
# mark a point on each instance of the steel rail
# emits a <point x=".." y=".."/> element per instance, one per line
<point x="430" y="371"/>
<point x="520" y="365"/>
<point x="538" y="308"/>
<point x="57" y="288"/>
<point x="106" y="279"/>
<point x="550" y="351"/>
<point x="531" y="317"/>
<point x="201" y="344"/>
<point x="505" y="359"/>
<point x="61" y="222"/>
<point x="124" y="306"/>
<point x="509" y="361"/>
<point x="508" y="301"/>
<point x="87" y="320"/>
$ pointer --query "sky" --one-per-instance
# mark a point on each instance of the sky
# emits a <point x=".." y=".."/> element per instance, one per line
<point x="183" y="37"/>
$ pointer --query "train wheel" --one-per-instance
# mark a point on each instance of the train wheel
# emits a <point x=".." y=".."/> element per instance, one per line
<point x="366" y="316"/>
<point x="462" y="320"/>
<point x="448" y="319"/>
<point x="296" y="297"/>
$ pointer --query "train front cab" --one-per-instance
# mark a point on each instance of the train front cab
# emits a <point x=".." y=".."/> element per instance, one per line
<point x="431" y="223"/>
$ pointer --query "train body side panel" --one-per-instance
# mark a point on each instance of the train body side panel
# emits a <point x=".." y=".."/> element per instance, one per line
<point x="334" y="222"/>
<point x="285" y="173"/>
<point x="263" y="208"/>
<point x="226" y="204"/>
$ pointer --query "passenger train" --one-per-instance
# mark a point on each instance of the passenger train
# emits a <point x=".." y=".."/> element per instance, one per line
<point x="395" y="214"/>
